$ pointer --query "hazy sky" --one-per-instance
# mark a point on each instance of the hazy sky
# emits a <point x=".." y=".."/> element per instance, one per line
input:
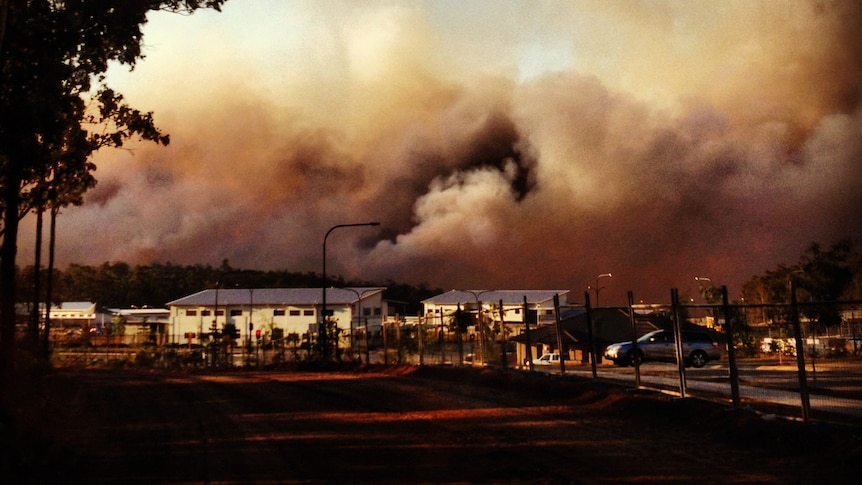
<point x="501" y="144"/>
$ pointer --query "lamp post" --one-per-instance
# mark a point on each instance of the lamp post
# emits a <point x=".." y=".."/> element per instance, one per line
<point x="598" y="288"/>
<point x="250" y="322"/>
<point x="359" y="296"/>
<point x="479" y="322"/>
<point x="321" y="331"/>
<point x="700" y="280"/>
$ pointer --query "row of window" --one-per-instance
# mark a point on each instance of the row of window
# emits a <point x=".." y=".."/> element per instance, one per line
<point x="516" y="310"/>
<point x="278" y="312"/>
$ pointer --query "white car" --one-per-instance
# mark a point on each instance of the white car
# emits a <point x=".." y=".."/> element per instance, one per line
<point x="548" y="359"/>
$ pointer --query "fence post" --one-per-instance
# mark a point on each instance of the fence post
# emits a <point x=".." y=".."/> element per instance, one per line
<point x="420" y="334"/>
<point x="367" y="337"/>
<point x="634" y="350"/>
<point x="677" y="337"/>
<point x="559" y="334"/>
<point x="441" y="339"/>
<point x="731" y="351"/>
<point x="800" y="354"/>
<point x="503" y="339"/>
<point x="527" y="333"/>
<point x="591" y="342"/>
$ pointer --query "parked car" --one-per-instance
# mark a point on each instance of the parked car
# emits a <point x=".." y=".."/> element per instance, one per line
<point x="698" y="348"/>
<point x="548" y="359"/>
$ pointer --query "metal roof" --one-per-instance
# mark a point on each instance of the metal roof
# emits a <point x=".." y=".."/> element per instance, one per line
<point x="75" y="306"/>
<point x="509" y="297"/>
<point x="275" y="296"/>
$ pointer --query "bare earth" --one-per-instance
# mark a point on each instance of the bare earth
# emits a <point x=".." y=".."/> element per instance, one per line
<point x="396" y="425"/>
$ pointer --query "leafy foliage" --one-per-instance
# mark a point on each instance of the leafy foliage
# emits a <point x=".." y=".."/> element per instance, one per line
<point x="119" y="285"/>
<point x="819" y="276"/>
<point x="53" y="57"/>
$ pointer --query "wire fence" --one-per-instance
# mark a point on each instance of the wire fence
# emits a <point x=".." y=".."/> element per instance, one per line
<point x="776" y="358"/>
<point x="799" y="359"/>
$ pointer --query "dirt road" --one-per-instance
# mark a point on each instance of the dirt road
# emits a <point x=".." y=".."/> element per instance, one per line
<point x="402" y="425"/>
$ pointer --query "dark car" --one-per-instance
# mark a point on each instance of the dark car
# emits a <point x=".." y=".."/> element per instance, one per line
<point x="698" y="348"/>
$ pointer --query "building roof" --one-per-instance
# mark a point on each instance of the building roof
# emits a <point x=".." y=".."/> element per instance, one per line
<point x="71" y="306"/>
<point x="609" y="325"/>
<point x="275" y="296"/>
<point x="509" y="297"/>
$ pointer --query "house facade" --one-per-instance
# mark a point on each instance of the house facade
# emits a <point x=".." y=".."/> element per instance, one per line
<point x="265" y="311"/>
<point x="150" y="325"/>
<point x="536" y="305"/>
<point x="80" y="315"/>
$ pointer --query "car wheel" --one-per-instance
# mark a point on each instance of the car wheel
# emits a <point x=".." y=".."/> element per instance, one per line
<point x="635" y="358"/>
<point x="698" y="358"/>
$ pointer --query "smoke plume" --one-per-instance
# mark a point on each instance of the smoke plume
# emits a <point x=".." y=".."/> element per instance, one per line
<point x="532" y="145"/>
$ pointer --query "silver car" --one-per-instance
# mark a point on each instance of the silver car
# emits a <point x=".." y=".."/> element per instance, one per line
<point x="698" y="348"/>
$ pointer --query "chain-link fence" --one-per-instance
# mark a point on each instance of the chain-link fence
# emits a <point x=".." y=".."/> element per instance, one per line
<point x="793" y="358"/>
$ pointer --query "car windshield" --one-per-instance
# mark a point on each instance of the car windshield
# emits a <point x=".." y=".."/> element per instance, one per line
<point x="646" y="338"/>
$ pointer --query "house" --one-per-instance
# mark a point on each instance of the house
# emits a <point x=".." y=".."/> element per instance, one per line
<point x="264" y="311"/>
<point x="610" y="325"/>
<point x="83" y="315"/>
<point x="145" y="325"/>
<point x="534" y="306"/>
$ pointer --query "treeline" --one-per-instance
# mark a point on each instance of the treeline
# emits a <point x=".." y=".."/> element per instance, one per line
<point x="822" y="274"/>
<point x="120" y="285"/>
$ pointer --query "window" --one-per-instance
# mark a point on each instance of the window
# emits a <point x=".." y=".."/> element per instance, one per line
<point x="219" y="313"/>
<point x="329" y="312"/>
<point x="278" y="312"/>
<point x="308" y="313"/>
<point x="191" y="313"/>
<point x="235" y="313"/>
<point x="377" y="311"/>
<point x="294" y="313"/>
<point x="205" y="313"/>
<point x="366" y="312"/>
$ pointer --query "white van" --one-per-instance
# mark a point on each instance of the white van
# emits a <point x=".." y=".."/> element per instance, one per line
<point x="548" y="359"/>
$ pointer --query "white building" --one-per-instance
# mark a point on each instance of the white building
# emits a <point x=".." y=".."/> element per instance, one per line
<point x="292" y="310"/>
<point x="145" y="324"/>
<point x="80" y="315"/>
<point x="539" y="304"/>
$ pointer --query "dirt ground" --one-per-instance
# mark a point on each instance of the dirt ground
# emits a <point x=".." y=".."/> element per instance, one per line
<point x="396" y="425"/>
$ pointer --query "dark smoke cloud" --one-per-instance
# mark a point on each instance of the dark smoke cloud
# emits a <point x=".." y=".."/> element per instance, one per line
<point x="671" y="142"/>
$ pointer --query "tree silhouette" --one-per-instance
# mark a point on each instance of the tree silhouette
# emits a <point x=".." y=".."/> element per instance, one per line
<point x="53" y="54"/>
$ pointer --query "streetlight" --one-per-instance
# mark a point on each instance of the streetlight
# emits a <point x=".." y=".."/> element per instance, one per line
<point x="700" y="280"/>
<point x="359" y="296"/>
<point x="479" y="322"/>
<point x="321" y="331"/>
<point x="250" y="322"/>
<point x="598" y="288"/>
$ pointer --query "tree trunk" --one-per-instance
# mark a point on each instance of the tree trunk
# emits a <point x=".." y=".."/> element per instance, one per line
<point x="49" y="285"/>
<point x="37" y="278"/>
<point x="8" y="253"/>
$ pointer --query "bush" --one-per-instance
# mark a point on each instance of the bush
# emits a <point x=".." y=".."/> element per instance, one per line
<point x="145" y="358"/>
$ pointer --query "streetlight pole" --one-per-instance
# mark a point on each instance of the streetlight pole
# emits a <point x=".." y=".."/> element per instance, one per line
<point x="598" y="288"/>
<point x="250" y="322"/>
<point x="480" y="323"/>
<point x="321" y="331"/>
<point x="700" y="280"/>
<point x="359" y="296"/>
